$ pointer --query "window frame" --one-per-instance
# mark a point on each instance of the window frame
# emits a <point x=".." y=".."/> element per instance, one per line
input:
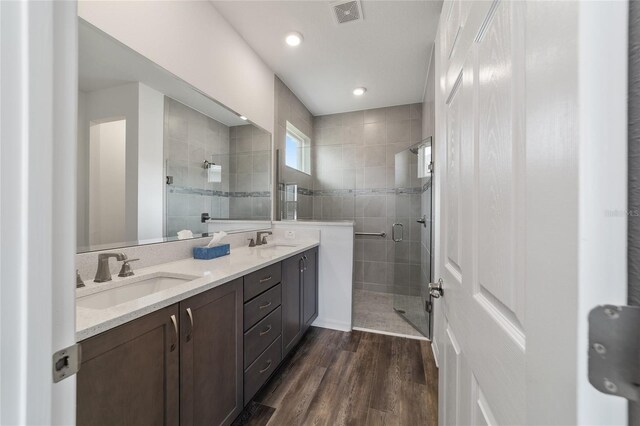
<point x="305" y="141"/>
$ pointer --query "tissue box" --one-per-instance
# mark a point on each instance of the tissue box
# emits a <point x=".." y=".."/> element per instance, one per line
<point x="208" y="253"/>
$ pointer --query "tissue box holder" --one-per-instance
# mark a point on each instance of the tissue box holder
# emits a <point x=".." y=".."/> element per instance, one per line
<point x="208" y="253"/>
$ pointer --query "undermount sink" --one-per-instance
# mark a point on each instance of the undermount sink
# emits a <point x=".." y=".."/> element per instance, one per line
<point x="277" y="245"/>
<point x="134" y="288"/>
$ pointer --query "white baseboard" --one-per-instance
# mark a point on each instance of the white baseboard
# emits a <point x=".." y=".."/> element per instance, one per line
<point x="331" y="324"/>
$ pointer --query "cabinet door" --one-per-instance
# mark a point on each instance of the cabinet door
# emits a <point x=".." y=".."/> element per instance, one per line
<point x="291" y="300"/>
<point x="310" y="287"/>
<point x="211" y="342"/>
<point x="129" y="375"/>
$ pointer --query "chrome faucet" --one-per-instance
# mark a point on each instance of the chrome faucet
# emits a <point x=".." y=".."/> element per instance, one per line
<point x="103" y="274"/>
<point x="261" y="238"/>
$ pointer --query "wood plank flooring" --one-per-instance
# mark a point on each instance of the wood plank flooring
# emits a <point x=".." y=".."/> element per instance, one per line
<point x="357" y="378"/>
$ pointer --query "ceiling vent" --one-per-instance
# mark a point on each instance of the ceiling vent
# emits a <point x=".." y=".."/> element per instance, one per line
<point x="346" y="11"/>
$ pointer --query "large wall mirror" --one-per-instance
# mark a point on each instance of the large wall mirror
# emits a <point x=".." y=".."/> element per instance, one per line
<point x="156" y="156"/>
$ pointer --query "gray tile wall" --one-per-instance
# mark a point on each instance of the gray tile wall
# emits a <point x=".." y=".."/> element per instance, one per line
<point x="244" y="152"/>
<point x="190" y="137"/>
<point x="250" y="173"/>
<point x="354" y="159"/>
<point x="289" y="108"/>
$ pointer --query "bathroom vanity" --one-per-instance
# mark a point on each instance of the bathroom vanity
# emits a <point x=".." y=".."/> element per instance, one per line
<point x="198" y="352"/>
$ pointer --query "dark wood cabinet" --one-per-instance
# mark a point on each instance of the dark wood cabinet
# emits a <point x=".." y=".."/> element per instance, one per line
<point x="291" y="306"/>
<point x="310" y="287"/>
<point x="199" y="361"/>
<point x="211" y="352"/>
<point x="299" y="297"/>
<point x="130" y="375"/>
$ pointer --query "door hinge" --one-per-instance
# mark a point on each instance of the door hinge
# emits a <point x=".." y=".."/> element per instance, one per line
<point x="614" y="350"/>
<point x="66" y="362"/>
<point x="428" y="306"/>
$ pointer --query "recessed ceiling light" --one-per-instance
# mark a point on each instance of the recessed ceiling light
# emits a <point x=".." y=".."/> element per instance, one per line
<point x="359" y="91"/>
<point x="242" y="117"/>
<point x="293" y="38"/>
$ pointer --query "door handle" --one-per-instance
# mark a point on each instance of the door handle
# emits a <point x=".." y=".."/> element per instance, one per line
<point x="435" y="289"/>
<point x="423" y="221"/>
<point x="190" y="314"/>
<point x="393" y="232"/>
<point x="175" y="333"/>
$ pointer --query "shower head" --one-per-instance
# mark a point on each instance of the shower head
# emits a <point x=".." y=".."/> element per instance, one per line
<point x="414" y="150"/>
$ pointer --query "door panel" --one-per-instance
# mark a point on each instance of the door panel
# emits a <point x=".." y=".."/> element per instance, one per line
<point x="291" y="298"/>
<point x="482" y="205"/>
<point x="130" y="374"/>
<point x="310" y="291"/>
<point x="452" y="380"/>
<point x="211" y="348"/>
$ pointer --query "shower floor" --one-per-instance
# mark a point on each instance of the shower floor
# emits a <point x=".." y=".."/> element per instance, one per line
<point x="374" y="311"/>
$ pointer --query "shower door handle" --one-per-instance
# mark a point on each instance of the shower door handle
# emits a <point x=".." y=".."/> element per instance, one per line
<point x="393" y="232"/>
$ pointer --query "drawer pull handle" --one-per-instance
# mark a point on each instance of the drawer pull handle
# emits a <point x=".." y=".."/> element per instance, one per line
<point x="264" y="306"/>
<point x="190" y="314"/>
<point x="265" y="279"/>
<point x="175" y="331"/>
<point x="266" y="368"/>
<point x="262" y="333"/>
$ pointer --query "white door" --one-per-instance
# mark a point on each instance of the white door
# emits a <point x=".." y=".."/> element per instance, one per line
<point x="38" y="84"/>
<point x="509" y="329"/>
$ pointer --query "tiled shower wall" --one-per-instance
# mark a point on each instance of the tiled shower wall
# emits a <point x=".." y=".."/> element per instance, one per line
<point x="354" y="158"/>
<point x="191" y="138"/>
<point x="289" y="108"/>
<point x="353" y="177"/>
<point x="250" y="173"/>
<point x="244" y="152"/>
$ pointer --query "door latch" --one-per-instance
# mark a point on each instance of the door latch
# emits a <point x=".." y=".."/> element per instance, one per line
<point x="66" y="362"/>
<point x="614" y="350"/>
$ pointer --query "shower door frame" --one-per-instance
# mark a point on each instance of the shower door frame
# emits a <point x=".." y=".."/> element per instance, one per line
<point x="426" y="301"/>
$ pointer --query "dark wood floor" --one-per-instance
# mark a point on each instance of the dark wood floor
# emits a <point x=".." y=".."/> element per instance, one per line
<point x="357" y="378"/>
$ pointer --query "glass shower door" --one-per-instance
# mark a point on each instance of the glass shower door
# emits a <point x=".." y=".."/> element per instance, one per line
<point x="411" y="235"/>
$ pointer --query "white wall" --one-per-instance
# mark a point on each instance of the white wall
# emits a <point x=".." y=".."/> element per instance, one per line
<point x="82" y="216"/>
<point x="107" y="168"/>
<point x="120" y="102"/>
<point x="193" y="41"/>
<point x="150" y="163"/>
<point x="335" y="276"/>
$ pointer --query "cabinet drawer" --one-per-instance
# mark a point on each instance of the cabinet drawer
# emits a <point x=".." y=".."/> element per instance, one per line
<point x="258" y="338"/>
<point x="259" y="281"/>
<point x="261" y="306"/>
<point x="258" y="373"/>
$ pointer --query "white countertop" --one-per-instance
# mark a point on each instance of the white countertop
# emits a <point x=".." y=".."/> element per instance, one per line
<point x="210" y="273"/>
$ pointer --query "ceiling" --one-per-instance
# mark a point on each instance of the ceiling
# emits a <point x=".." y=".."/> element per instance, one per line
<point x="104" y="62"/>
<point x="387" y="52"/>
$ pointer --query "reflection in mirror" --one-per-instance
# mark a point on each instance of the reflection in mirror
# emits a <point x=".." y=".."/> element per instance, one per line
<point x="156" y="156"/>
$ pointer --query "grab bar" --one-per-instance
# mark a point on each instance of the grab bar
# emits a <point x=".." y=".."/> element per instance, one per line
<point x="373" y="234"/>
